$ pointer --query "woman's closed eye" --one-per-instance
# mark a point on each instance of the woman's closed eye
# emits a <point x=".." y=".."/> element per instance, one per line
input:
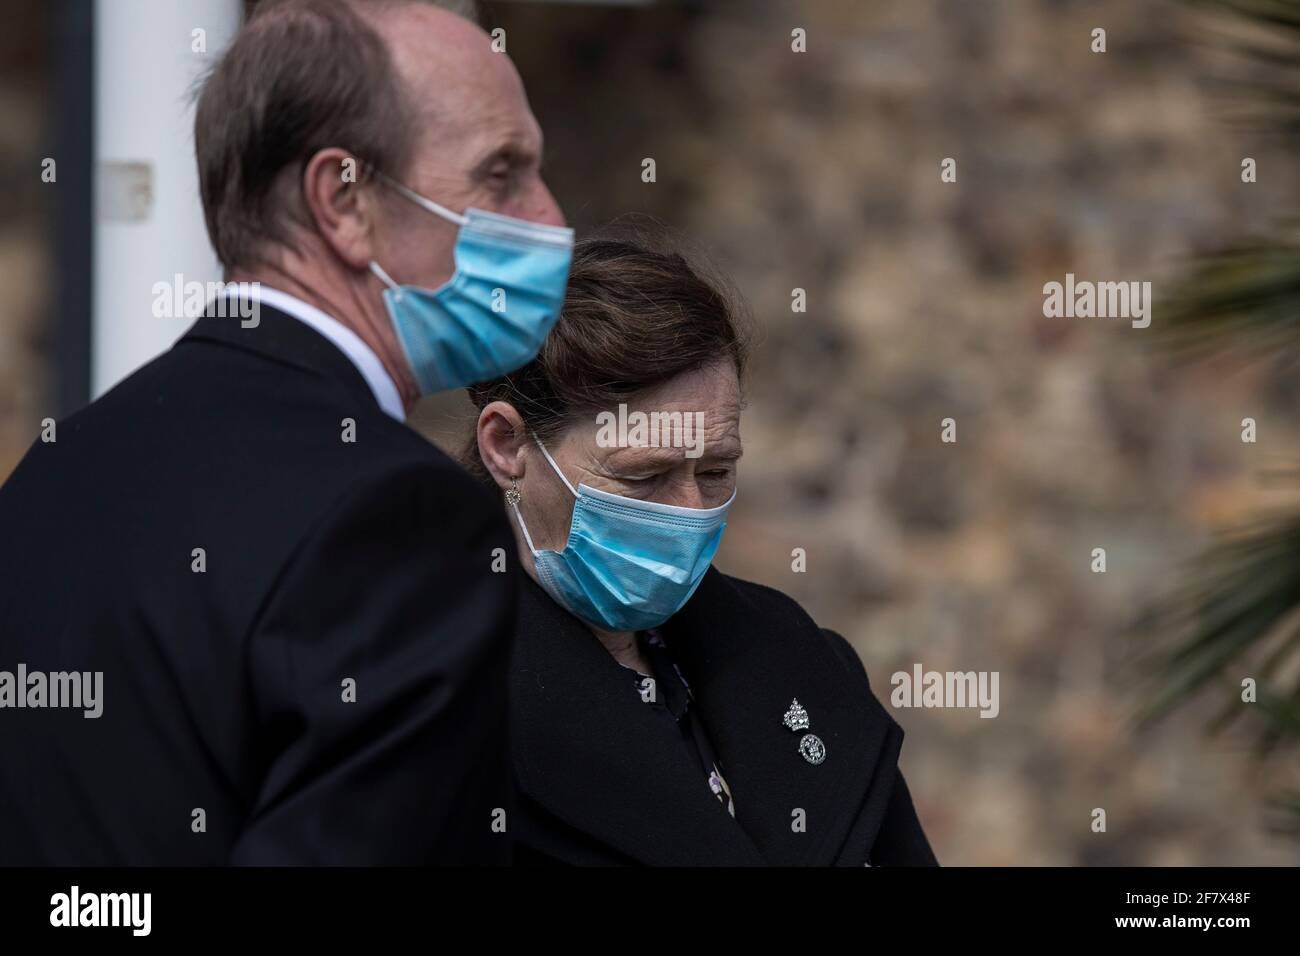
<point x="640" y="481"/>
<point x="717" y="473"/>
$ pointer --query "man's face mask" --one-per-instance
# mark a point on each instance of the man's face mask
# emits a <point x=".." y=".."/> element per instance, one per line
<point x="628" y="564"/>
<point x="493" y="314"/>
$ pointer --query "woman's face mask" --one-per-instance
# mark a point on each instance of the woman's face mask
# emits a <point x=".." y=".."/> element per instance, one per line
<point x="628" y="564"/>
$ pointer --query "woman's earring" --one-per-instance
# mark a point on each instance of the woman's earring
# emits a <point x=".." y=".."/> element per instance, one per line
<point x="512" y="493"/>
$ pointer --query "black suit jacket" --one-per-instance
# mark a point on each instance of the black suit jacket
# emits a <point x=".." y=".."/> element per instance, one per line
<point x="601" y="783"/>
<point x="326" y="561"/>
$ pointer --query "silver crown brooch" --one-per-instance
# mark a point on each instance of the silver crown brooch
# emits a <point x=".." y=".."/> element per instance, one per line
<point x="811" y="747"/>
<point x="796" y="718"/>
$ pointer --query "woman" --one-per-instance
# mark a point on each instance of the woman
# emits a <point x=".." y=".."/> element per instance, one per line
<point x="663" y="712"/>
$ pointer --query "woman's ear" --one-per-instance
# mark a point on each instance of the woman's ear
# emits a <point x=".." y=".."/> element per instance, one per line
<point x="501" y="439"/>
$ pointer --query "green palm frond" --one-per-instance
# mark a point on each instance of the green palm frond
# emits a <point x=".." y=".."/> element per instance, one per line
<point x="1278" y="15"/>
<point x="1234" y="614"/>
<point x="1246" y="298"/>
<point x="1285" y="808"/>
<point x="1262" y="90"/>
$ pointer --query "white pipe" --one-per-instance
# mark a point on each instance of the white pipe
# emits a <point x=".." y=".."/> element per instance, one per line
<point x="148" y="221"/>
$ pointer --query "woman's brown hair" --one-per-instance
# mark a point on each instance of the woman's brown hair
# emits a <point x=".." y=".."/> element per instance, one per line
<point x="636" y="314"/>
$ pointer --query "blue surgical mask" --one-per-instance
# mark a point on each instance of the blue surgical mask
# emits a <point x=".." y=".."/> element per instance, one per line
<point x="628" y="564"/>
<point x="493" y="314"/>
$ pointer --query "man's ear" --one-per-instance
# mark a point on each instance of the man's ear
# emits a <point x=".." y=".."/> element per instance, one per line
<point x="341" y="203"/>
<point x="501" y="442"/>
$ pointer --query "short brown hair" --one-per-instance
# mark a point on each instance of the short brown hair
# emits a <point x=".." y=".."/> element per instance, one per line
<point x="636" y="314"/>
<point x="302" y="76"/>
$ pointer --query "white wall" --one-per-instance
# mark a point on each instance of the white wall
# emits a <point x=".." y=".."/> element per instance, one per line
<point x="148" y="222"/>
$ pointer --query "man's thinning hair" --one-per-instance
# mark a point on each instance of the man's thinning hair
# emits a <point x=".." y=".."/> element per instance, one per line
<point x="301" y="76"/>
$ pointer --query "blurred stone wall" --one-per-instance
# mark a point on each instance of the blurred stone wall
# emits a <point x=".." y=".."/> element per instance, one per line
<point x="26" y="228"/>
<point x="821" y="171"/>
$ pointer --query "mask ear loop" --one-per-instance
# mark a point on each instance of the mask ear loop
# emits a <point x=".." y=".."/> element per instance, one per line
<point x="436" y="208"/>
<point x="554" y="466"/>
<point x="514" y="497"/>
<point x="384" y="277"/>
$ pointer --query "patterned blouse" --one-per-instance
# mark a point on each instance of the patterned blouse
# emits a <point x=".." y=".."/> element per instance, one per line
<point x="668" y="689"/>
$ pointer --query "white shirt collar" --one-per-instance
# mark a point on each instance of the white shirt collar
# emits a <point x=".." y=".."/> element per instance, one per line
<point x="348" y="342"/>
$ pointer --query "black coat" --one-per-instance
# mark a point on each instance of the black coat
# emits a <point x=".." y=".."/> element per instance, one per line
<point x="600" y="782"/>
<point x="223" y="690"/>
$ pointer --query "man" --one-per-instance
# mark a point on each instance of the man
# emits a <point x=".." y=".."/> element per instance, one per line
<point x="281" y="598"/>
